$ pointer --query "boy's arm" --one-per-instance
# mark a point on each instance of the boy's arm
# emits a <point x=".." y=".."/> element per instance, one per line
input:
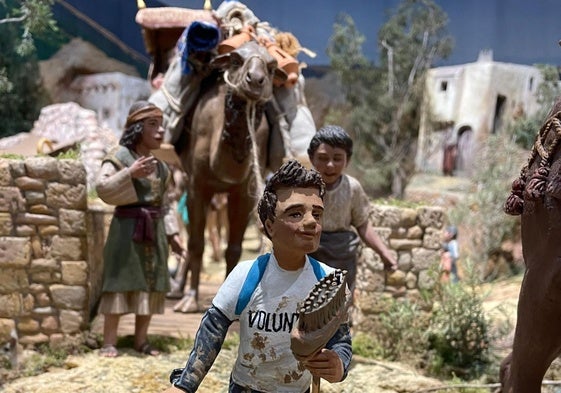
<point x="372" y="240"/>
<point x="208" y="342"/>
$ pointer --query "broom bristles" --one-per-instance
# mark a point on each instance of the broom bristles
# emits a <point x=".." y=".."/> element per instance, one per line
<point x="320" y="315"/>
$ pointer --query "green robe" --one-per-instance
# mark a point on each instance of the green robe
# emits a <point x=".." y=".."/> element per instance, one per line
<point x="131" y="266"/>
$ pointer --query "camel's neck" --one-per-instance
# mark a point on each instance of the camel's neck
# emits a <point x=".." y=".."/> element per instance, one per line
<point x="237" y="112"/>
<point x="240" y="121"/>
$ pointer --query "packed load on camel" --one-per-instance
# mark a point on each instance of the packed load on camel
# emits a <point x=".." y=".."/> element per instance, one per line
<point x="231" y="93"/>
<point x="183" y="42"/>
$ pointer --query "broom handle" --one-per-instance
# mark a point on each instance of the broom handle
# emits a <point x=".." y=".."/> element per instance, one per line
<point x="315" y="384"/>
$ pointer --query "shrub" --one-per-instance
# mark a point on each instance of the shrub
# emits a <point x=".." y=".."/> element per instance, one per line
<point x="401" y="331"/>
<point x="458" y="336"/>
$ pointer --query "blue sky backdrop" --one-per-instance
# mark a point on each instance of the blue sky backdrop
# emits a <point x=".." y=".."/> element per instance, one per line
<point x="518" y="31"/>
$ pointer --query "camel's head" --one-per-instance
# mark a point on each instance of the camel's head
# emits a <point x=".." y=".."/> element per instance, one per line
<point x="250" y="71"/>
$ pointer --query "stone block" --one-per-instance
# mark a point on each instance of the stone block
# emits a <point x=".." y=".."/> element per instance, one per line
<point x="34" y="197"/>
<point x="405" y="244"/>
<point x="408" y="217"/>
<point x="72" y="222"/>
<point x="433" y="238"/>
<point x="42" y="167"/>
<point x="50" y="324"/>
<point x="7" y="326"/>
<point x="42" y="299"/>
<point x="75" y="273"/>
<point x="67" y="248"/>
<point x="35" y="219"/>
<point x="6" y="224"/>
<point x="41" y="209"/>
<point x="48" y="230"/>
<point x="67" y="196"/>
<point x="14" y="251"/>
<point x="13" y="280"/>
<point x="28" y="326"/>
<point x="44" y="264"/>
<point x="404" y="262"/>
<point x="5" y="173"/>
<point x="27" y="183"/>
<point x="424" y="259"/>
<point x="431" y="217"/>
<point x="70" y="321"/>
<point x="385" y="216"/>
<point x="11" y="200"/>
<point x="68" y="296"/>
<point x="71" y="172"/>
<point x="395" y="279"/>
<point x="33" y="340"/>
<point x="10" y="305"/>
<point x="25" y="230"/>
<point x="415" y="232"/>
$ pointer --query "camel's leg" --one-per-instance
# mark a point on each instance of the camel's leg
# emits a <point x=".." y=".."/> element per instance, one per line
<point x="239" y="209"/>
<point x="198" y="206"/>
<point x="537" y="340"/>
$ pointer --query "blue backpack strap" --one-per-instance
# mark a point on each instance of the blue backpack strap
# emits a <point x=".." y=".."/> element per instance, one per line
<point x="318" y="270"/>
<point x="253" y="278"/>
<point x="255" y="275"/>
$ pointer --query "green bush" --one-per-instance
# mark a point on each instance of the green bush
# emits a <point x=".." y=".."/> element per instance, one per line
<point x="401" y="331"/>
<point x="459" y="333"/>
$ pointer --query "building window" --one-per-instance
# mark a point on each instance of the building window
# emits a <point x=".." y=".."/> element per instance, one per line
<point x="443" y="85"/>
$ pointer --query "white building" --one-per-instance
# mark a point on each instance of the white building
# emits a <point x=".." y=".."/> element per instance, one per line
<point x="465" y="103"/>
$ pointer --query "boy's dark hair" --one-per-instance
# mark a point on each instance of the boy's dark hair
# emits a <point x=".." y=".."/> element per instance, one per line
<point x="333" y="136"/>
<point x="292" y="174"/>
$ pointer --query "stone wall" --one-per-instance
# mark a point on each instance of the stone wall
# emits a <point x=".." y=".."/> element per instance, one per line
<point x="47" y="255"/>
<point x="51" y="244"/>
<point x="414" y="235"/>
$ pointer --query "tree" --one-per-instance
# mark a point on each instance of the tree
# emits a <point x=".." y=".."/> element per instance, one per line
<point x="21" y="95"/>
<point x="525" y="128"/>
<point x="385" y="98"/>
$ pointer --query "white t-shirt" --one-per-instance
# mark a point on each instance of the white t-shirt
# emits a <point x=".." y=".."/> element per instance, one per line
<point x="265" y="361"/>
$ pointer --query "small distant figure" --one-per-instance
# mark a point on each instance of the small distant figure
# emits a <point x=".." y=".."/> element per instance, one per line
<point x="450" y="255"/>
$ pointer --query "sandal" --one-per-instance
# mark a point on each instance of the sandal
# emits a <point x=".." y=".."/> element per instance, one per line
<point x="147" y="349"/>
<point x="108" y="351"/>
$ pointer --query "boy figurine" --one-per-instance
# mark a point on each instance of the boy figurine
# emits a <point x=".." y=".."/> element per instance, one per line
<point x="264" y="295"/>
<point x="346" y="205"/>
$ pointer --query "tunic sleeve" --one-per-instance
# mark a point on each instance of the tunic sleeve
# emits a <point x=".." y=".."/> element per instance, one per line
<point x="114" y="186"/>
<point x="361" y="206"/>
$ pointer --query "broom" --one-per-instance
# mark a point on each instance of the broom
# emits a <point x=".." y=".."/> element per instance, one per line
<point x="320" y="315"/>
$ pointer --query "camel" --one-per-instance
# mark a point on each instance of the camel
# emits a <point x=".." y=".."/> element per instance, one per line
<point x="536" y="196"/>
<point x="224" y="149"/>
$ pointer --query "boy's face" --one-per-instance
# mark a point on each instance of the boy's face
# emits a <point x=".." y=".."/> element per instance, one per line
<point x="296" y="229"/>
<point x="330" y="162"/>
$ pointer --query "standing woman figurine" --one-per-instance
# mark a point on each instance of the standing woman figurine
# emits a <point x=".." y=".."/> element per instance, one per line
<point x="135" y="276"/>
